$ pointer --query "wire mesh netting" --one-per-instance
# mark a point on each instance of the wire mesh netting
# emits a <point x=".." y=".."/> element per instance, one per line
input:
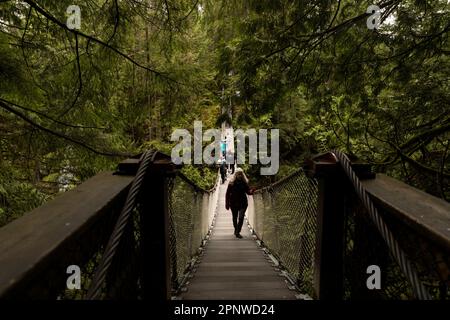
<point x="191" y="213"/>
<point x="365" y="247"/>
<point x="123" y="276"/>
<point x="283" y="216"/>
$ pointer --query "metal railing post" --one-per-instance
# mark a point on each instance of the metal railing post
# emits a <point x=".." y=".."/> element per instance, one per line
<point x="334" y="193"/>
<point x="154" y="228"/>
<point x="328" y="260"/>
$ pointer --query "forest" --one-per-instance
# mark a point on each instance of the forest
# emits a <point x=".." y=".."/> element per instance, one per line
<point x="75" y="101"/>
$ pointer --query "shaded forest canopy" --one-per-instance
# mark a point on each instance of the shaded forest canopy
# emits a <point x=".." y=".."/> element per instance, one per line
<point x="74" y="102"/>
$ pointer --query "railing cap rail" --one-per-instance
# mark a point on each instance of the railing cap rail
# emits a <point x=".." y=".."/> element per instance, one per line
<point x="30" y="242"/>
<point x="425" y="213"/>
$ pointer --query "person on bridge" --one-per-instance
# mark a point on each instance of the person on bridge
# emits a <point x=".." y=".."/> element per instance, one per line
<point x="236" y="199"/>
<point x="223" y="170"/>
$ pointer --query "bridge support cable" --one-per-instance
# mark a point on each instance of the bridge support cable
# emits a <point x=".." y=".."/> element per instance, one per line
<point x="325" y="230"/>
<point x="188" y="214"/>
<point x="95" y="289"/>
<point x="399" y="255"/>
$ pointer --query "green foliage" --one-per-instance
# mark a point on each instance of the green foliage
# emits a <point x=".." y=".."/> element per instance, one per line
<point x="17" y="196"/>
<point x="321" y="76"/>
<point x="73" y="104"/>
<point x="204" y="177"/>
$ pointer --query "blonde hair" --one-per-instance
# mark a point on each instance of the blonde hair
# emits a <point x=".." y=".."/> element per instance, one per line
<point x="239" y="175"/>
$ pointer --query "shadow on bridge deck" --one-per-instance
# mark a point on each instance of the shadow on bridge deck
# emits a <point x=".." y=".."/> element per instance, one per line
<point x="235" y="269"/>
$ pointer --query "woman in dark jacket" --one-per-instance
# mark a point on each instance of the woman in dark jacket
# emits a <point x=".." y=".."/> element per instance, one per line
<point x="236" y="199"/>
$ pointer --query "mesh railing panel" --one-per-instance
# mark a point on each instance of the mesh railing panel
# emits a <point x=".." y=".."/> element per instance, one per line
<point x="122" y="280"/>
<point x="283" y="216"/>
<point x="191" y="213"/>
<point x="365" y="247"/>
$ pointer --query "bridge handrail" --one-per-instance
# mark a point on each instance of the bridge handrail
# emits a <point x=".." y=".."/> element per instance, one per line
<point x="36" y="249"/>
<point x="31" y="244"/>
<point x="194" y="185"/>
<point x="280" y="181"/>
<point x="426" y="216"/>
<point x="423" y="212"/>
<point x="391" y="194"/>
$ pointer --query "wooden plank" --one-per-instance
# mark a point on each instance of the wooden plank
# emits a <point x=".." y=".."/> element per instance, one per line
<point x="233" y="268"/>
<point x="425" y="213"/>
<point x="260" y="294"/>
<point x="26" y="243"/>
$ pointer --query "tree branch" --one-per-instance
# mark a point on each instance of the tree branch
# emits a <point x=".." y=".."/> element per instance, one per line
<point x="43" y="115"/>
<point x="426" y="135"/>
<point x="59" y="134"/>
<point x="421" y="166"/>
<point x="116" y="21"/>
<point x="98" y="41"/>
<point x="190" y="12"/>
<point x="80" y="79"/>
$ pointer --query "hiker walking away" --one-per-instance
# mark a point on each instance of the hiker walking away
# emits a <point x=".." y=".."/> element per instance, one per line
<point x="223" y="171"/>
<point x="236" y="199"/>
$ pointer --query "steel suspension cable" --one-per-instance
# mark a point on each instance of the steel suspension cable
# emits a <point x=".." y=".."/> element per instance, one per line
<point x="94" y="290"/>
<point x="400" y="257"/>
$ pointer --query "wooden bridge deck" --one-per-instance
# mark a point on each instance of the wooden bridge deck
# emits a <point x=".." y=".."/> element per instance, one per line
<point x="235" y="269"/>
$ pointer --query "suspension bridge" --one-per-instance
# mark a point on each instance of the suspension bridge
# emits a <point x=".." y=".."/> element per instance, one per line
<point x="146" y="231"/>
